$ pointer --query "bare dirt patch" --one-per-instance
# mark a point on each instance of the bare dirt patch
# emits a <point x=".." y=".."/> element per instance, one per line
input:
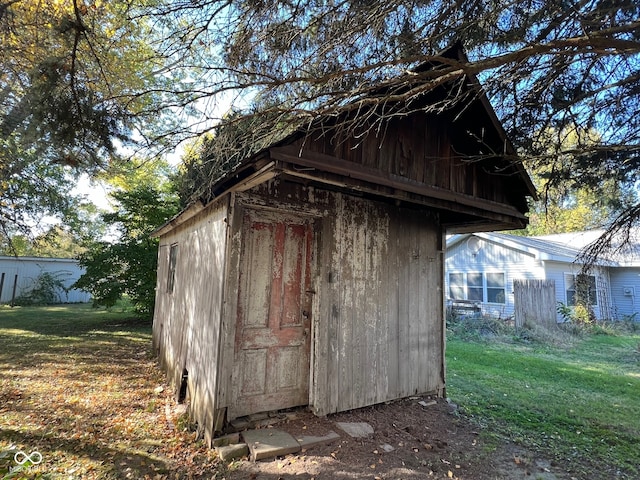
<point x="410" y="441"/>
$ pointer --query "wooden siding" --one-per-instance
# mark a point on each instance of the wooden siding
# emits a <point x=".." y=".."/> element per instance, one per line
<point x="456" y="209"/>
<point x="377" y="314"/>
<point x="379" y="329"/>
<point x="422" y="148"/>
<point x="187" y="321"/>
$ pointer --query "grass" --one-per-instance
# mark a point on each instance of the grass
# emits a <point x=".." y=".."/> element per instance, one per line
<point x="57" y="325"/>
<point x="578" y="401"/>
<point x="80" y="386"/>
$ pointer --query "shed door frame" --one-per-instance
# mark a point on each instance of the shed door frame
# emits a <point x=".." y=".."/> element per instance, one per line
<point x="288" y="227"/>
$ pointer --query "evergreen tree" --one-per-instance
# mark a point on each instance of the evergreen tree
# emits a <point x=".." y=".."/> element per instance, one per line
<point x="545" y="66"/>
<point x="77" y="80"/>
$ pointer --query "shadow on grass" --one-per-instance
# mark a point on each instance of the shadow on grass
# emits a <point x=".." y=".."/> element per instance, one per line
<point x="76" y="384"/>
<point x="111" y="462"/>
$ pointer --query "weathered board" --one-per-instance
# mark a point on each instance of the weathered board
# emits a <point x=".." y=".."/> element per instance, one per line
<point x="534" y="302"/>
<point x="187" y="320"/>
<point x="436" y="160"/>
<point x="379" y="331"/>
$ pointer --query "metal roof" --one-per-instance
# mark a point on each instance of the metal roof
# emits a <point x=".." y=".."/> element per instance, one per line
<point x="564" y="247"/>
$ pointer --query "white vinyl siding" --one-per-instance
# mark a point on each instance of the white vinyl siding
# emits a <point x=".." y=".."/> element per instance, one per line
<point x="506" y="263"/>
<point x="625" y="292"/>
<point x="616" y="294"/>
<point x="563" y="274"/>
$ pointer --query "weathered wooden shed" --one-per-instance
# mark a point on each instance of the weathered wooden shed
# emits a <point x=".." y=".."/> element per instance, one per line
<point x="315" y="275"/>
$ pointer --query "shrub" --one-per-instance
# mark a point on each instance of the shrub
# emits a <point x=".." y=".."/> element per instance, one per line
<point x="478" y="326"/>
<point x="45" y="290"/>
<point x="499" y="330"/>
<point x="580" y="313"/>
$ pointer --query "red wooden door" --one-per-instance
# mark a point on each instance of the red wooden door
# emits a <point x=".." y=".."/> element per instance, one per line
<point x="274" y="314"/>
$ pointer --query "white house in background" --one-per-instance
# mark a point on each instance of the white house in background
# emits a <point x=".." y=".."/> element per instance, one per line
<point x="480" y="269"/>
<point x="18" y="274"/>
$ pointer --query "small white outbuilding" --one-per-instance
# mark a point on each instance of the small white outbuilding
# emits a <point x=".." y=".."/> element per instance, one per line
<point x="19" y="275"/>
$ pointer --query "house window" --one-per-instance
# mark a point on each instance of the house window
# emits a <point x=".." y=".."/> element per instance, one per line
<point x="581" y="289"/>
<point x="474" y="287"/>
<point x="171" y="276"/>
<point x="478" y="287"/>
<point x="456" y="286"/>
<point x="495" y="288"/>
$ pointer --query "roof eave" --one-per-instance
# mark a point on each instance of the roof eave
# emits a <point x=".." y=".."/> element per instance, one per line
<point x="188" y="213"/>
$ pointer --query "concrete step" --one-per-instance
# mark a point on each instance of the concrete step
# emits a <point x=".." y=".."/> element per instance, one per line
<point x="269" y="442"/>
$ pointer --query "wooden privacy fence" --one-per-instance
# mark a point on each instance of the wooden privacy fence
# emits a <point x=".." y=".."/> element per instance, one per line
<point x="535" y="302"/>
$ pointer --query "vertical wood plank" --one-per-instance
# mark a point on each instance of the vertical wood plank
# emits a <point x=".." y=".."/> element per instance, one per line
<point x="422" y="315"/>
<point x="325" y="327"/>
<point x="358" y="263"/>
<point x="371" y="152"/>
<point x="444" y="154"/>
<point x="383" y="292"/>
<point x="431" y="153"/>
<point x="418" y="127"/>
<point x="227" y="390"/>
<point x="369" y="365"/>
<point x="404" y="310"/>
<point x="392" y="320"/>
<point x="335" y="302"/>
<point x="344" y="273"/>
<point x="431" y="308"/>
<point x="415" y="295"/>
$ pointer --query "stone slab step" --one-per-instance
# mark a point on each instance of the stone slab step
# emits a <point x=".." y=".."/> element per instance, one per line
<point x="356" y="429"/>
<point x="309" y="441"/>
<point x="268" y="442"/>
<point x="231" y="452"/>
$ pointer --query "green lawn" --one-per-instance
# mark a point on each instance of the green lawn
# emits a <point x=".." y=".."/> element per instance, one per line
<point x="63" y="318"/>
<point x="579" y="404"/>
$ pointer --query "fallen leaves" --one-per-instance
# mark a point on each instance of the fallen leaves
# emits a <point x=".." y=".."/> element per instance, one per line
<point x="94" y="407"/>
